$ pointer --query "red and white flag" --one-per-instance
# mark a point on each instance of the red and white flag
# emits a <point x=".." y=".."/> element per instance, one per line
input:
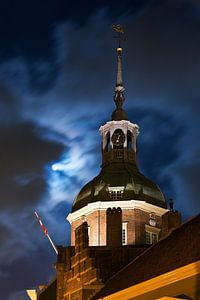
<point x="41" y="224"/>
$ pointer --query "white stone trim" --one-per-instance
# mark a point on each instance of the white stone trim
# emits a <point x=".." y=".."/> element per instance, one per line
<point x="126" y="204"/>
<point x="116" y="189"/>
<point x="152" y="229"/>
<point x="119" y="124"/>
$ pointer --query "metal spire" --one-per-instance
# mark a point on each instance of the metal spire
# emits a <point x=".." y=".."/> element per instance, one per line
<point x="119" y="67"/>
<point x="119" y="88"/>
<point x="119" y="29"/>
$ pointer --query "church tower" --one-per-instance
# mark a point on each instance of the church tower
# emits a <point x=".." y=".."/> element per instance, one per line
<point x="115" y="217"/>
<point x="121" y="206"/>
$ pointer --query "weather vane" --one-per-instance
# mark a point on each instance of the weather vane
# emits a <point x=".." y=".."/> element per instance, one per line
<point x="120" y="31"/>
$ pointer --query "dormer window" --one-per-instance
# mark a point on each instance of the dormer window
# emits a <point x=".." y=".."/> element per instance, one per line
<point x="151" y="234"/>
<point x="116" y="195"/>
<point x="116" y="192"/>
<point x="151" y="238"/>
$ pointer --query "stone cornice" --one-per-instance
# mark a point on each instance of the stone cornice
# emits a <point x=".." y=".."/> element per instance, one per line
<point x="125" y="204"/>
<point x="119" y="124"/>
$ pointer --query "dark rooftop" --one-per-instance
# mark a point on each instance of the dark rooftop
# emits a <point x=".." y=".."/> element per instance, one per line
<point x="49" y="292"/>
<point x="136" y="186"/>
<point x="179" y="248"/>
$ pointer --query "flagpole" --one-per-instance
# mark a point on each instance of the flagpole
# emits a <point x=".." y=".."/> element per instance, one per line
<point x="54" y="247"/>
<point x="46" y="232"/>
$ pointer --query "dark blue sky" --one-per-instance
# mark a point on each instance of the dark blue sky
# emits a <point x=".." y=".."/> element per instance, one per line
<point x="57" y="76"/>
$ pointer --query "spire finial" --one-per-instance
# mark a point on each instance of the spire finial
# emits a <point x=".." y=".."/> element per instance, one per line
<point x="120" y="31"/>
<point x="119" y="113"/>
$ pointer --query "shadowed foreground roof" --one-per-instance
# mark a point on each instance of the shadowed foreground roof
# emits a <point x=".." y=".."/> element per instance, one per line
<point x="49" y="292"/>
<point x="179" y="248"/>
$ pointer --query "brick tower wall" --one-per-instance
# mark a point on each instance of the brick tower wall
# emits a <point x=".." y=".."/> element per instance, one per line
<point x="114" y="227"/>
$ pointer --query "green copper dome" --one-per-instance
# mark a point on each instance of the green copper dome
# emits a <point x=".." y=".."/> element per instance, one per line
<point x="136" y="186"/>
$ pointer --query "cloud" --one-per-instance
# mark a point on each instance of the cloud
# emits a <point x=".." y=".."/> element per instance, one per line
<point x="162" y="57"/>
<point x="28" y="273"/>
<point x="8" y="105"/>
<point x="19" y="296"/>
<point x="186" y="180"/>
<point x="158" y="141"/>
<point x="51" y="108"/>
<point x="23" y="158"/>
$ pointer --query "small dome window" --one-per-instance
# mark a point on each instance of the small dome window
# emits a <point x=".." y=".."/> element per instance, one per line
<point x="116" y="193"/>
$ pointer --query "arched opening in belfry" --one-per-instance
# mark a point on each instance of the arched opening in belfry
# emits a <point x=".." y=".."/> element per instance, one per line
<point x="118" y="139"/>
<point x="129" y="140"/>
<point x="107" y="148"/>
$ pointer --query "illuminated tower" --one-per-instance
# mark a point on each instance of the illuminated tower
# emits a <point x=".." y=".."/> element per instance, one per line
<point x="121" y="206"/>
<point x="114" y="217"/>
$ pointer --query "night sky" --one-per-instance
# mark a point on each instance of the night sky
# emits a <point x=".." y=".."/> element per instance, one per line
<point x="57" y="77"/>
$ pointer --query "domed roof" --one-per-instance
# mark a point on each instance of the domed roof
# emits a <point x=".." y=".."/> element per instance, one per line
<point x="136" y="186"/>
